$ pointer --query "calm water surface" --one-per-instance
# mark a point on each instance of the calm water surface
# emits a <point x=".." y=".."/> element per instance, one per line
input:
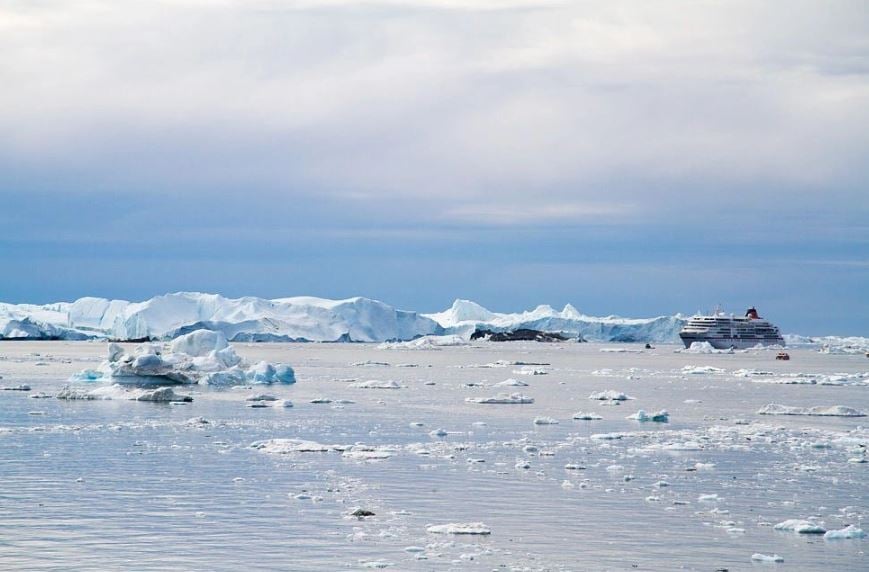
<point x="121" y="485"/>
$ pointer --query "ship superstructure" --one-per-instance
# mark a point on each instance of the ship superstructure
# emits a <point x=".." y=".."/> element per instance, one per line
<point x="724" y="331"/>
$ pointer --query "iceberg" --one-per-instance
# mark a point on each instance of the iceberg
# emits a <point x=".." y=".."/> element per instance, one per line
<point x="818" y="411"/>
<point x="464" y="317"/>
<point x="247" y="319"/>
<point x="659" y="417"/>
<point x="847" y="533"/>
<point x="800" y="526"/>
<point x="198" y="357"/>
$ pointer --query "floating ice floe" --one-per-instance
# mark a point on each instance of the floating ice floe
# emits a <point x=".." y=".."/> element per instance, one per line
<point x="609" y="395"/>
<point x="460" y="528"/>
<point x="376" y="384"/>
<point x="659" y="416"/>
<point x="530" y="371"/>
<point x="202" y="356"/>
<point x="545" y="421"/>
<point x="510" y="383"/>
<point x="426" y="343"/>
<point x="837" y="379"/>
<point x="701" y="370"/>
<point x="582" y="416"/>
<point x="285" y="446"/>
<point x="758" y="557"/>
<point x="849" y="532"/>
<point x="703" y="348"/>
<point x="367" y="453"/>
<point x="502" y="398"/>
<point x="115" y="391"/>
<point x="621" y="351"/>
<point x="800" y="526"/>
<point x="819" y="411"/>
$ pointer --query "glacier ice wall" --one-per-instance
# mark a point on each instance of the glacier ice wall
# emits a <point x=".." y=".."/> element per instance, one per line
<point x="239" y="319"/>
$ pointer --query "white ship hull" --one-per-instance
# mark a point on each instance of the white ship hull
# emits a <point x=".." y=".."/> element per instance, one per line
<point x="727" y="343"/>
<point x="724" y="332"/>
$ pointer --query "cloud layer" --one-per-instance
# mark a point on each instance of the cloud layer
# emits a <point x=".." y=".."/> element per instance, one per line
<point x="724" y="124"/>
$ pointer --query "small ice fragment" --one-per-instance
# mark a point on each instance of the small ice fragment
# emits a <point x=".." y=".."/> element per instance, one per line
<point x="800" y="527"/>
<point x="545" y="421"/>
<point x="460" y="528"/>
<point x="261" y="397"/>
<point x="376" y="384"/>
<point x="511" y="383"/>
<point x="709" y="498"/>
<point x="501" y="398"/>
<point x="848" y="532"/>
<point x="439" y="433"/>
<point x="583" y="416"/>
<point x="282" y="403"/>
<point x="758" y="557"/>
<point x="659" y="416"/>
<point x="609" y="395"/>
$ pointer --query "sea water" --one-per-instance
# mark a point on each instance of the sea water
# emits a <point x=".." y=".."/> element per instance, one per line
<point x="120" y="485"/>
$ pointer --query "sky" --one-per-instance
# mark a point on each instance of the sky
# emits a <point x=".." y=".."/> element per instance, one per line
<point x="637" y="158"/>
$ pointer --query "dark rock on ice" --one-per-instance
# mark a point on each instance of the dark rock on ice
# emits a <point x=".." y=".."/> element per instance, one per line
<point x="518" y="335"/>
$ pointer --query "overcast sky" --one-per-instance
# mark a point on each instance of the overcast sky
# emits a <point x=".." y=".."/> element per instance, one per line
<point x="635" y="158"/>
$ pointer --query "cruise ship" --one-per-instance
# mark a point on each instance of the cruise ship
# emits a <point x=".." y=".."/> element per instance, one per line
<point x="729" y="331"/>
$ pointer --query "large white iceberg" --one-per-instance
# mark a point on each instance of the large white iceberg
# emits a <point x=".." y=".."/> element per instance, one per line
<point x="465" y="316"/>
<point x="198" y="357"/>
<point x="239" y="319"/>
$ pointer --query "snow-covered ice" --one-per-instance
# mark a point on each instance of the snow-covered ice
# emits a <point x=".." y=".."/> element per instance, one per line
<point x="609" y="395"/>
<point x="659" y="416"/>
<point x="847" y="533"/>
<point x="818" y="411"/>
<point x="460" y="528"/>
<point x="502" y="398"/>
<point x="800" y="526"/>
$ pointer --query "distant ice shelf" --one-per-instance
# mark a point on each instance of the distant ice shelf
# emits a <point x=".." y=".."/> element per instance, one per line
<point x="306" y="318"/>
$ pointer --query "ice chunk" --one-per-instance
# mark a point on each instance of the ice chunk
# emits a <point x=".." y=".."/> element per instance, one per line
<point x="426" y="343"/>
<point x="376" y="384"/>
<point x="609" y="395"/>
<point x="545" y="421"/>
<point x="800" y="527"/>
<point x="115" y="351"/>
<point x="460" y="528"/>
<point x="199" y="343"/>
<point x="502" y="398"/>
<point x="758" y="557"/>
<point x="582" y="416"/>
<point x="285" y="446"/>
<point x="848" y="532"/>
<point x="659" y="416"/>
<point x="511" y="383"/>
<point x="701" y="370"/>
<point x="163" y="395"/>
<point x="832" y="411"/>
